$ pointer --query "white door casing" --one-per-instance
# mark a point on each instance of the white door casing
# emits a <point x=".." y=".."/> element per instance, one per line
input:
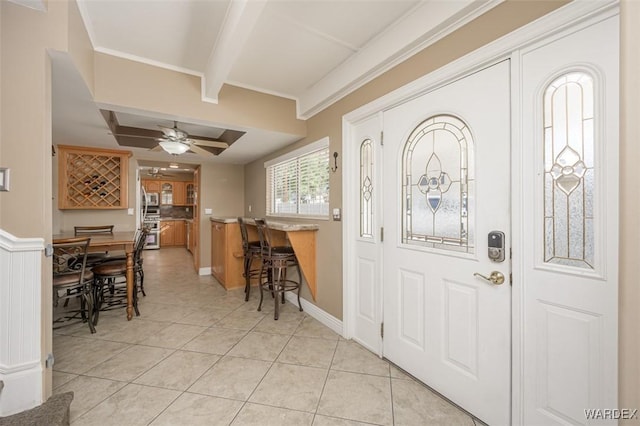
<point x="443" y="325"/>
<point x="569" y="265"/>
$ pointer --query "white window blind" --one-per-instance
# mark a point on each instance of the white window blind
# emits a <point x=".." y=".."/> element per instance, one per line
<point x="299" y="184"/>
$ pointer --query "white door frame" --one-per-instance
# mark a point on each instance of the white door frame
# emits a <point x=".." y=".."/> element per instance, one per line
<point x="569" y="18"/>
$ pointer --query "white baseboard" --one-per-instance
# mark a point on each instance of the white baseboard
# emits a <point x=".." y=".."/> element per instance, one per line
<point x="322" y="316"/>
<point x="205" y="271"/>
<point x="22" y="390"/>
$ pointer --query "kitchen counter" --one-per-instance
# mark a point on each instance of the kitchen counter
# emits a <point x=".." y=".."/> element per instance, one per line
<point x="278" y="225"/>
<point x="228" y="266"/>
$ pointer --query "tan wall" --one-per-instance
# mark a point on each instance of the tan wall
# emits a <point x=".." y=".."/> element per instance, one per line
<point x="222" y="191"/>
<point x="629" y="355"/>
<point x="79" y="45"/>
<point x="25" y="134"/>
<point x="135" y="85"/>
<point x="492" y="25"/>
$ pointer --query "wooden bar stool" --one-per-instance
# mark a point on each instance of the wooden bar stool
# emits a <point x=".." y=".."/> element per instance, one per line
<point x="251" y="250"/>
<point x="275" y="262"/>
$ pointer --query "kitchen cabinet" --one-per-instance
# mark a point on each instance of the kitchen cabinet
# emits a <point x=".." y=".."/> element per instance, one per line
<point x="92" y="178"/>
<point x="174" y="193"/>
<point x="180" y="233"/>
<point x="173" y="233"/>
<point x="190" y="190"/>
<point x="179" y="194"/>
<point x="189" y="226"/>
<point x="167" y="233"/>
<point x="166" y="193"/>
<point x="151" y="186"/>
<point x="226" y="254"/>
<point x="191" y="237"/>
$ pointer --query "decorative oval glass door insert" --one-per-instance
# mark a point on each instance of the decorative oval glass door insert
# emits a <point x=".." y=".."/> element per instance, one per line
<point x="569" y="171"/>
<point x="366" y="189"/>
<point x="438" y="185"/>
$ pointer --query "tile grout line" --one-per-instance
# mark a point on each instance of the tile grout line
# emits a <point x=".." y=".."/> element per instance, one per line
<point x="324" y="385"/>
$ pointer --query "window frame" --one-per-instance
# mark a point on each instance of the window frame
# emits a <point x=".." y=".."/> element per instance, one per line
<point x="292" y="155"/>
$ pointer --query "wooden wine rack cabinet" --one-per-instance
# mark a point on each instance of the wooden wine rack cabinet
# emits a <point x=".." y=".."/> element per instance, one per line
<point x="91" y="178"/>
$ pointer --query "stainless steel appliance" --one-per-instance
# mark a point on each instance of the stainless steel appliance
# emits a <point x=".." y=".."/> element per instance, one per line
<point x="153" y="239"/>
<point x="150" y="217"/>
<point x="152" y="199"/>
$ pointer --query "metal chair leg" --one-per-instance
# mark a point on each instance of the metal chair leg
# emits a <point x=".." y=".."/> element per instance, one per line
<point x="260" y="284"/>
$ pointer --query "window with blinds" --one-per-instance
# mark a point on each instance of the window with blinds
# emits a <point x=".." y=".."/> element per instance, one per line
<point x="298" y="182"/>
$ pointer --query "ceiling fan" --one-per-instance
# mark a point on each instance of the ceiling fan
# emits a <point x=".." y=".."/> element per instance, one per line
<point x="176" y="141"/>
<point x="155" y="172"/>
<point x="170" y="139"/>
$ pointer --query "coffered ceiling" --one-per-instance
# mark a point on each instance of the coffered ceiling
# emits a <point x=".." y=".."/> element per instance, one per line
<point x="312" y="51"/>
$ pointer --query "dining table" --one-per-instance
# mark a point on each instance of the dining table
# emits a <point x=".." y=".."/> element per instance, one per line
<point x="123" y="240"/>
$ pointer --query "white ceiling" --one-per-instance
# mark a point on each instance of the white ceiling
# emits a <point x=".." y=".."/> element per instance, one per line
<point x="313" y="51"/>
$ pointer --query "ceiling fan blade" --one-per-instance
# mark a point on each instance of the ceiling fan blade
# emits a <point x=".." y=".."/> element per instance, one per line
<point x="198" y="150"/>
<point x="212" y="144"/>
<point x="135" y="136"/>
<point x="156" y="148"/>
<point x="168" y="131"/>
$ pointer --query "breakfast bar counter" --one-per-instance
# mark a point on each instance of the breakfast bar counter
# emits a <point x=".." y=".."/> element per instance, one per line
<point x="226" y="248"/>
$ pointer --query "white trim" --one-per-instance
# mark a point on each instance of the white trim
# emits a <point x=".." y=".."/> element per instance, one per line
<point x="205" y="271"/>
<point x="241" y="18"/>
<point x="39" y="5"/>
<point x="313" y="146"/>
<point x="20" y="322"/>
<point x="517" y="247"/>
<point x="557" y="21"/>
<point x="390" y="49"/>
<point x="261" y="90"/>
<point x="148" y="61"/>
<point x="322" y="316"/>
<point x="568" y="18"/>
<point x="13" y="243"/>
<point x="15" y="368"/>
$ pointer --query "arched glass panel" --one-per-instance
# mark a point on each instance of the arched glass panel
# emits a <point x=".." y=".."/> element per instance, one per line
<point x="438" y="185"/>
<point x="569" y="171"/>
<point x="366" y="189"/>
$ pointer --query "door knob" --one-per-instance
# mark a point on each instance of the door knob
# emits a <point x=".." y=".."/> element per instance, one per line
<point x="495" y="277"/>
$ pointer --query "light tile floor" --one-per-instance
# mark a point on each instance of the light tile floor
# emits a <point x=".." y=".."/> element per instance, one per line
<point x="200" y="355"/>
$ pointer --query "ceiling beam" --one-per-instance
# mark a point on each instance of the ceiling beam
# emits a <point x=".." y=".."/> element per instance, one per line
<point x="241" y="18"/>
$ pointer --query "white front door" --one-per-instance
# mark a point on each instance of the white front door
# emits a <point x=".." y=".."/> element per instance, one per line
<point x="569" y="228"/>
<point x="446" y="188"/>
<point x="367" y="315"/>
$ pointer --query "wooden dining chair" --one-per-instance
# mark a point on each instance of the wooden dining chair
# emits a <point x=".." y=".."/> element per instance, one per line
<point x="93" y="230"/>
<point x="72" y="280"/>
<point x="95" y="258"/>
<point x="111" y="280"/>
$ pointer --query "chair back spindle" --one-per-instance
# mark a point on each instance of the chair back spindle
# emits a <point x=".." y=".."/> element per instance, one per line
<point x="93" y="230"/>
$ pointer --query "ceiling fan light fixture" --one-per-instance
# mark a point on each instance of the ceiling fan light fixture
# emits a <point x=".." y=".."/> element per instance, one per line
<point x="174" y="147"/>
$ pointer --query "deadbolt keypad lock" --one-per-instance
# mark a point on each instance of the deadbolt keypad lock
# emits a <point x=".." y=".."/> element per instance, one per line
<point x="495" y="244"/>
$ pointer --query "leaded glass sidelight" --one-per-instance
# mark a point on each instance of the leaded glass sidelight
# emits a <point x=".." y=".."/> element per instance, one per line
<point x="438" y="185"/>
<point x="366" y="189"/>
<point x="569" y="171"/>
